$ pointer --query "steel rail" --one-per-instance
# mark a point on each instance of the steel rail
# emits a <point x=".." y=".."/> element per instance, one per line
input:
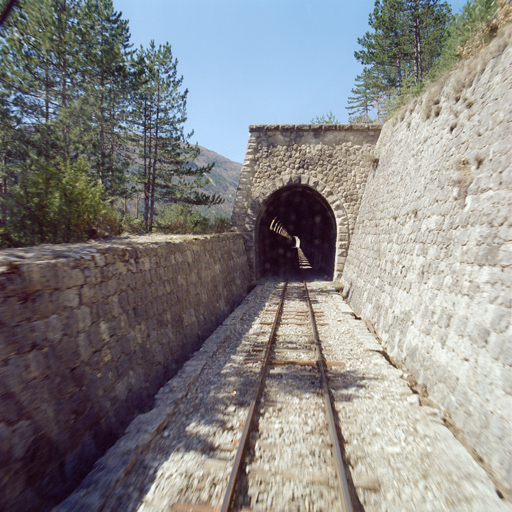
<point x="346" y="503"/>
<point x="230" y="491"/>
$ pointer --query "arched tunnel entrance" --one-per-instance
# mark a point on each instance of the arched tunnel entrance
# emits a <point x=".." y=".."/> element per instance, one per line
<point x="305" y="214"/>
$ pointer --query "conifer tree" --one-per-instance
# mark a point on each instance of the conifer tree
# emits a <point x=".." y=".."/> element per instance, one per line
<point x="105" y="54"/>
<point x="361" y="103"/>
<point x="159" y="116"/>
<point x="38" y="69"/>
<point x="387" y="46"/>
<point x="428" y="20"/>
<point x="405" y="41"/>
<point x="70" y="91"/>
<point x="370" y="97"/>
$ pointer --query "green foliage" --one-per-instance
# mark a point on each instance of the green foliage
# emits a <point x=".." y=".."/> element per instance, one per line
<point x="181" y="218"/>
<point x="107" y="84"/>
<point x="72" y="91"/>
<point x="474" y="16"/>
<point x="108" y="223"/>
<point x="387" y="45"/>
<point x="51" y="204"/>
<point x="329" y="118"/>
<point x="64" y="73"/>
<point x="405" y="41"/>
<point x="219" y="224"/>
<point x="129" y="224"/>
<point x="159" y="115"/>
<point x="370" y="99"/>
<point x="413" y="43"/>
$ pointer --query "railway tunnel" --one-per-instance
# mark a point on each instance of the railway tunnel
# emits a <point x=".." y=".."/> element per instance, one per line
<point x="305" y="214"/>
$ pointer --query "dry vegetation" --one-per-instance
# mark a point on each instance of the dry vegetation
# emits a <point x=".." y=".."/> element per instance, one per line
<point x="486" y="44"/>
<point x="464" y="179"/>
<point x="489" y="31"/>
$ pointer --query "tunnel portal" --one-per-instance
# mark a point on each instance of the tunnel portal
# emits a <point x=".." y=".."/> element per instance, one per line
<point x="305" y="214"/>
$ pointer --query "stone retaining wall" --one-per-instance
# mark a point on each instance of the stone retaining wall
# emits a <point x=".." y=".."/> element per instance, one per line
<point x="88" y="334"/>
<point x="430" y="262"/>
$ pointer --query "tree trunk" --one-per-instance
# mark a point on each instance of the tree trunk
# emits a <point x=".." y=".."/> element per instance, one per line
<point x="155" y="155"/>
<point x="146" y="191"/>
<point x="47" y="95"/>
<point x="417" y="43"/>
<point x="150" y="162"/>
<point x="3" y="194"/>
<point x="64" y="77"/>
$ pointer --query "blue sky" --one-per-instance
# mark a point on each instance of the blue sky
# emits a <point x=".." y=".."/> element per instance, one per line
<point x="263" y="62"/>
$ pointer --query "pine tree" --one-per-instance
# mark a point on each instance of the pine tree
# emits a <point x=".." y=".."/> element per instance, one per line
<point x="405" y="42"/>
<point x="71" y="90"/>
<point x="361" y="103"/>
<point x="387" y="47"/>
<point x="428" y="20"/>
<point x="64" y="70"/>
<point x="370" y="97"/>
<point x="159" y="116"/>
<point x="38" y="69"/>
<point x="105" y="53"/>
<point x="7" y="142"/>
<point x="63" y="99"/>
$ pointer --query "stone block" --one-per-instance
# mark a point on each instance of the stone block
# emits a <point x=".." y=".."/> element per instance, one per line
<point x="85" y="346"/>
<point x="70" y="298"/>
<point x="478" y="334"/>
<point x="36" y="365"/>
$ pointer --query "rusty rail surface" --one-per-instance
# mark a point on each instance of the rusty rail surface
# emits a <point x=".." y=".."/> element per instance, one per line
<point x="346" y="504"/>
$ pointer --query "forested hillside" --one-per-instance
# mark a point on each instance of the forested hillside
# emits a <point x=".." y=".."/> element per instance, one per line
<point x="222" y="181"/>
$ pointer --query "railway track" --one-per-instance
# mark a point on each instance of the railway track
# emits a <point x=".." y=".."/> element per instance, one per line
<point x="224" y="446"/>
<point x="290" y="432"/>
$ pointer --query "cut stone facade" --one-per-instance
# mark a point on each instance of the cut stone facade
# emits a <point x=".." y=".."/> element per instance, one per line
<point x="332" y="160"/>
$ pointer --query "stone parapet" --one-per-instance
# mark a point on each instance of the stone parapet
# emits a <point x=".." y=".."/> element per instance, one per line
<point x="88" y="334"/>
<point x="315" y="127"/>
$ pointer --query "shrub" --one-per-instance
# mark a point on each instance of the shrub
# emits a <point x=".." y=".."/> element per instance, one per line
<point x="183" y="219"/>
<point x="109" y="222"/>
<point x="51" y="204"/>
<point x="474" y="27"/>
<point x="130" y="224"/>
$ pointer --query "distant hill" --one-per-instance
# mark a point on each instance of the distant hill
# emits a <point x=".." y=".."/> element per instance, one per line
<point x="223" y="180"/>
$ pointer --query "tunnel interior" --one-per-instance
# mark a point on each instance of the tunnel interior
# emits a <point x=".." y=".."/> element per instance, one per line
<point x="305" y="214"/>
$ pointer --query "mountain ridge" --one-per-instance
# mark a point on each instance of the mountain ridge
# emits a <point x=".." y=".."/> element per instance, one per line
<point x="222" y="180"/>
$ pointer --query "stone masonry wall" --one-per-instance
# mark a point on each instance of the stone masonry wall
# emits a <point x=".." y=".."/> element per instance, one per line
<point x="334" y="160"/>
<point x="430" y="262"/>
<point x="88" y="334"/>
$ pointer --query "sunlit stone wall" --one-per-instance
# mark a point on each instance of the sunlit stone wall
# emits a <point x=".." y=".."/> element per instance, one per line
<point x="430" y="261"/>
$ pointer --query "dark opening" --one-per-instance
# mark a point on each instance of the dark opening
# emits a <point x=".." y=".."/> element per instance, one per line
<point x="304" y="213"/>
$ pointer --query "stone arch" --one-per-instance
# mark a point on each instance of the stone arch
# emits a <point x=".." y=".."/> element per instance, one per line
<point x="261" y="197"/>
